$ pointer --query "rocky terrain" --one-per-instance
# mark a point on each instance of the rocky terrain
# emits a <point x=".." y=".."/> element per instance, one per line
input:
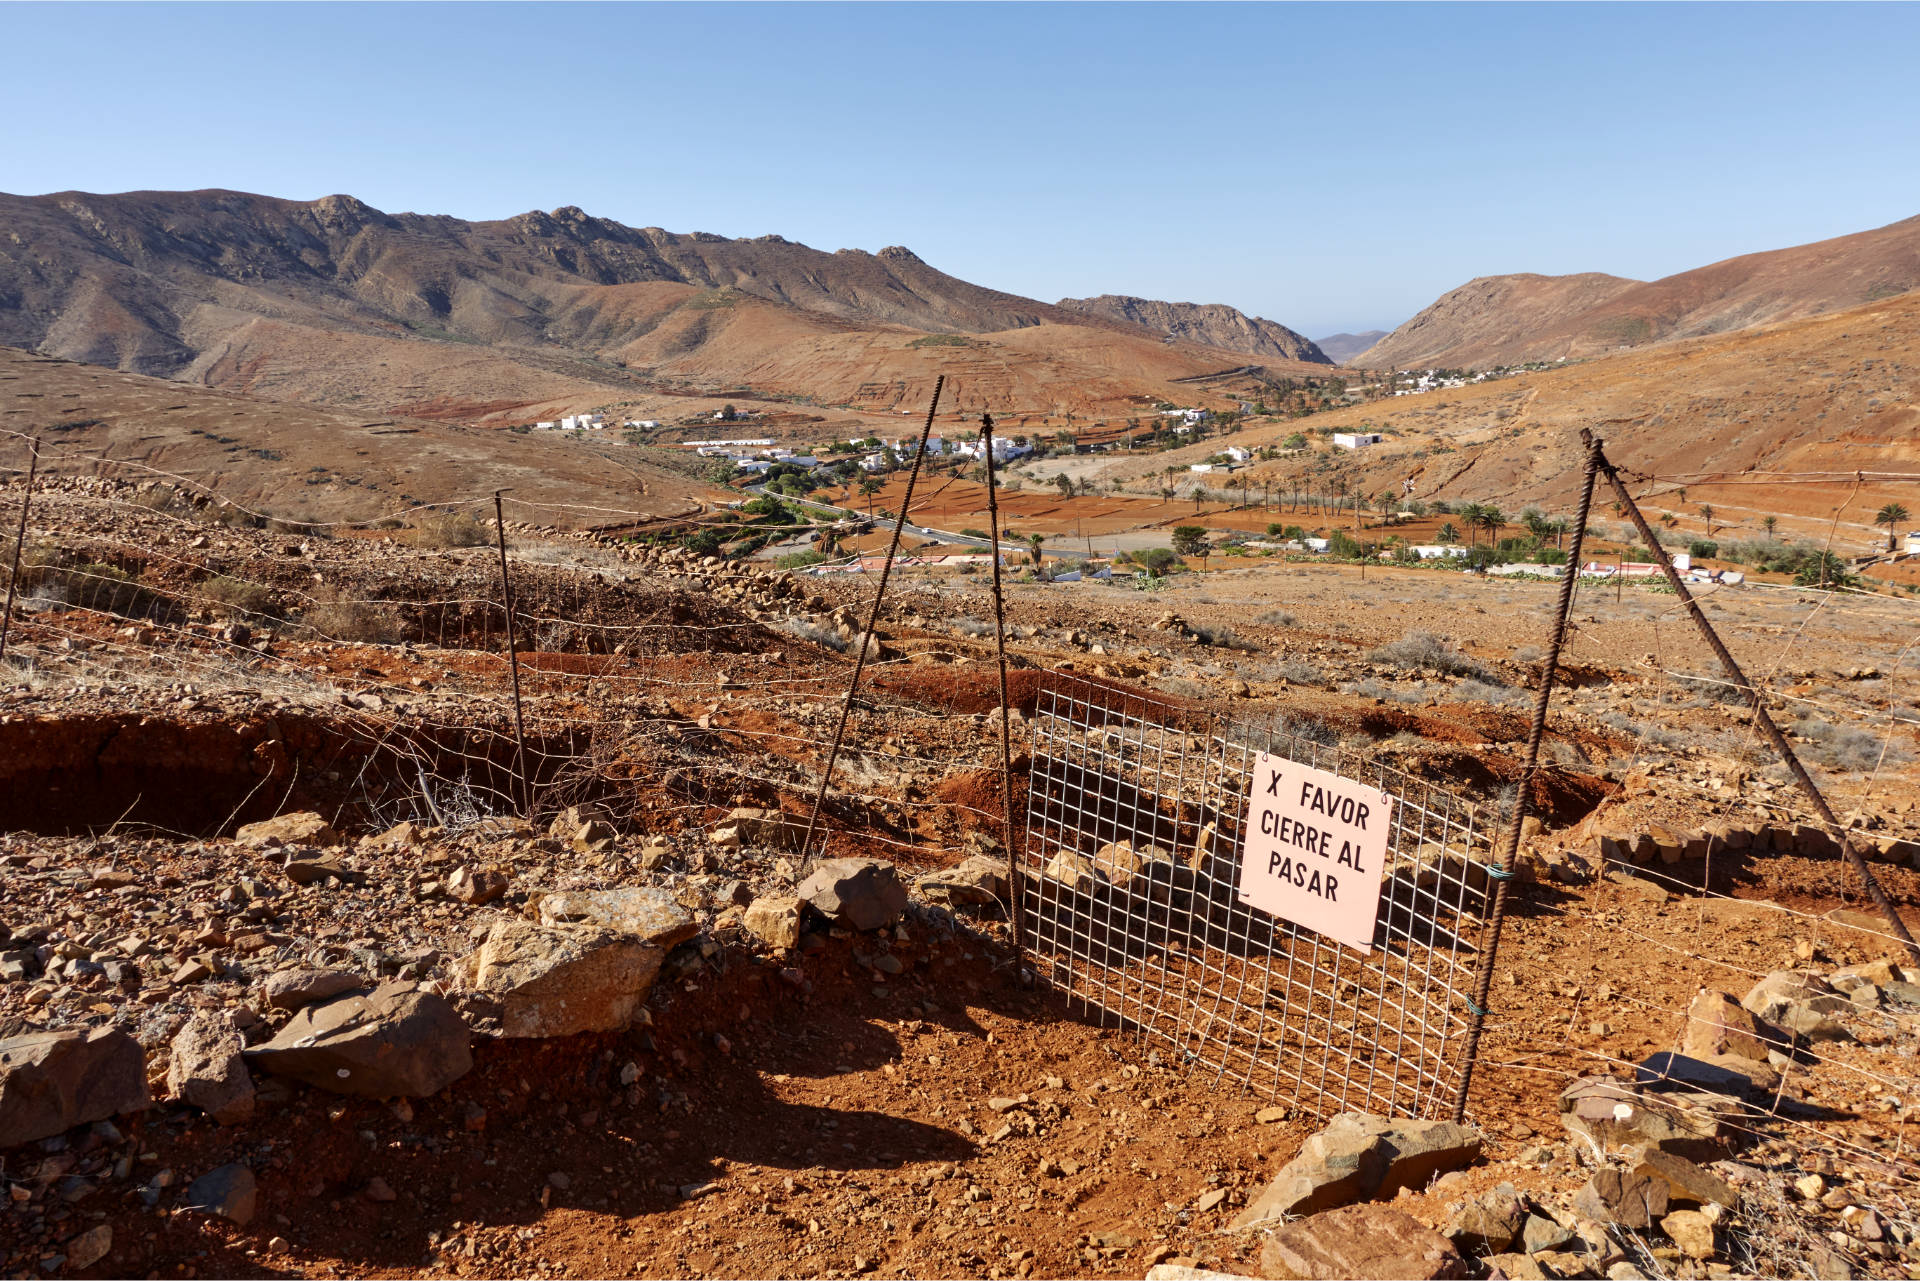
<point x="1508" y="320"/>
<point x="307" y="968"/>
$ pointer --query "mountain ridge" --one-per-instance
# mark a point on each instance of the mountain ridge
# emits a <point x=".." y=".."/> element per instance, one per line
<point x="1510" y="319"/>
<point x="1212" y="324"/>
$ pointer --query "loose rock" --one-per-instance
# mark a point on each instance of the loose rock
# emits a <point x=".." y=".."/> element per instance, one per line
<point x="206" y="1070"/>
<point x="394" y="1041"/>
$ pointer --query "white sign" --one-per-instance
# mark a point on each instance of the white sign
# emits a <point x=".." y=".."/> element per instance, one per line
<point x="1316" y="849"/>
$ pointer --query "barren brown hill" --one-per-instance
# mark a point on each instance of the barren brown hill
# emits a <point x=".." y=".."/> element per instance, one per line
<point x="1478" y="323"/>
<point x="1509" y="319"/>
<point x="1210" y="324"/>
<point x="334" y="301"/>
<point x="1737" y="422"/>
<point x="299" y="461"/>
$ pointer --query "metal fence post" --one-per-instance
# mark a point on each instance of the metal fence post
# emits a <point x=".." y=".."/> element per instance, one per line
<point x="1761" y="716"/>
<point x="513" y="663"/>
<point x="1502" y="871"/>
<point x="19" y="543"/>
<point x="866" y="639"/>
<point x="1016" y="910"/>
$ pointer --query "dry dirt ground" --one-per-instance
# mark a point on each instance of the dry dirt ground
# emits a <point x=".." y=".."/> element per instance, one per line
<point x="912" y="1103"/>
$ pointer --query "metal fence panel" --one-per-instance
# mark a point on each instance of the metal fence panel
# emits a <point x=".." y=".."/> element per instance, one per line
<point x="1135" y="819"/>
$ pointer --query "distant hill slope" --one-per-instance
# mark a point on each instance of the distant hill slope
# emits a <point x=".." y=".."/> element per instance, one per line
<point x="322" y="464"/>
<point x="1211" y="324"/>
<point x="1499" y="320"/>
<point x="334" y="301"/>
<point x="1340" y="348"/>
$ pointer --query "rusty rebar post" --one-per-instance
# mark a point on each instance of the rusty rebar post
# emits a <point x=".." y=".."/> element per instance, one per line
<point x="19" y="543"/>
<point x="1761" y="717"/>
<point x="867" y="642"/>
<point x="1502" y="872"/>
<point x="513" y="664"/>
<point x="1016" y="912"/>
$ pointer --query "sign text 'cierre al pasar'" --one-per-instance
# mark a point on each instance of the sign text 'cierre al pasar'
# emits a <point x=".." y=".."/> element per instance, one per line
<point x="1316" y="849"/>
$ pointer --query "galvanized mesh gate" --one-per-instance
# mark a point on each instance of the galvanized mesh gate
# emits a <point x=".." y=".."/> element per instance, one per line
<point x="1135" y="815"/>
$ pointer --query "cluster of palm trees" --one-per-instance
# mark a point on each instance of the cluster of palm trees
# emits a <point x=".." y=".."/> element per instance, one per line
<point x="1479" y="516"/>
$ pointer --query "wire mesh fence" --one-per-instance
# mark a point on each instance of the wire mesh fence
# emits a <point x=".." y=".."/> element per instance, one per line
<point x="1137" y="815"/>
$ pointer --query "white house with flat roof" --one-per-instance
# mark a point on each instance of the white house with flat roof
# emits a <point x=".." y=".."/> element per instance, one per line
<point x="1355" y="439"/>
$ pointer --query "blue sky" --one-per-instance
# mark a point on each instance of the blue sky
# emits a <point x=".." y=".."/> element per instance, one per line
<point x="1328" y="166"/>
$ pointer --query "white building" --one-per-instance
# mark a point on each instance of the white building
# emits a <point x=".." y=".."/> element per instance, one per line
<point x="874" y="462"/>
<point x="1355" y="439"/>
<point x="545" y="426"/>
<point x="1237" y="454"/>
<point x="1438" y="551"/>
<point x="1913" y="542"/>
<point x="1201" y="467"/>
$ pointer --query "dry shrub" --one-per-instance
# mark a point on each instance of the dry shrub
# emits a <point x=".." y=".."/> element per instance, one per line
<point x="448" y="529"/>
<point x="339" y="619"/>
<point x="238" y="596"/>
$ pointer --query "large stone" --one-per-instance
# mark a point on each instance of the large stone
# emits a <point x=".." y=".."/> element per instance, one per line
<point x="1516" y="1267"/>
<point x="568" y="822"/>
<point x="1687" y="1181"/>
<point x="1721" y="1074"/>
<point x="291" y="989"/>
<point x="1691" y="1231"/>
<point x="391" y="1042"/>
<point x="228" y="1191"/>
<point x="52" y="1081"/>
<point x="1358" y="1156"/>
<point x="1075" y="871"/>
<point x="1613" y="1115"/>
<point x="557" y="980"/>
<point x="205" y="1069"/>
<point x="978" y="881"/>
<point x="1121" y="861"/>
<point x="88" y="1248"/>
<point x="864" y="893"/>
<point x="1631" y="1198"/>
<point x="1779" y="992"/>
<point x="1488" y="1223"/>
<point x="1360" y="1243"/>
<point x="302" y="828"/>
<point x="637" y="911"/>
<point x="1719" y="1025"/>
<point x="476" y="887"/>
<point x="775" y="920"/>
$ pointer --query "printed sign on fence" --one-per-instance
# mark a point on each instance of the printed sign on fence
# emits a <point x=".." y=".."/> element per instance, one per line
<point x="1316" y="849"/>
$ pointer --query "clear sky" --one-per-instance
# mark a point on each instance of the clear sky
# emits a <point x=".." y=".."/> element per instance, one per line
<point x="1328" y="166"/>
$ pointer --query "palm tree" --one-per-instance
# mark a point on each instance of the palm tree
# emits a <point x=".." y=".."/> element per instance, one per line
<point x="1493" y="520"/>
<point x="1448" y="534"/>
<point x="1768" y="522"/>
<point x="1034" y="541"/>
<point x="1890" y="515"/>
<point x="870" y="485"/>
<point x="1166" y="494"/>
<point x="1469" y="514"/>
<point x="1706" y="514"/>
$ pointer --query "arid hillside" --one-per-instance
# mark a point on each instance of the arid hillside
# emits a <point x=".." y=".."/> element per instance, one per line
<point x="1210" y="324"/>
<point x="333" y="301"/>
<point x="1500" y="320"/>
<point x="305" y="463"/>
<point x="1833" y="394"/>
